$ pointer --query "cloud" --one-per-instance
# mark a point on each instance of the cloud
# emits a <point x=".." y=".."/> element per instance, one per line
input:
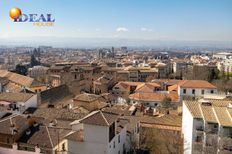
<point x="121" y="29"/>
<point x="146" y="29"/>
<point x="97" y="29"/>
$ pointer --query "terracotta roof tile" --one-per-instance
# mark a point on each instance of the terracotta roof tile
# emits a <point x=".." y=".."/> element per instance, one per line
<point x="100" y="118"/>
<point x="196" y="84"/>
<point x="154" y="96"/>
<point x="15" y="97"/>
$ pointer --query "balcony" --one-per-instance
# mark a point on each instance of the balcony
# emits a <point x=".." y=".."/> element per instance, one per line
<point x="199" y="128"/>
<point x="210" y="149"/>
<point x="211" y="129"/>
<point x="225" y="144"/>
<point x="198" y="139"/>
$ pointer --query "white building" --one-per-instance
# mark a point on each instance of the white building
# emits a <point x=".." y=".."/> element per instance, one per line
<point x="38" y="72"/>
<point x="195" y="88"/>
<point x="207" y="127"/>
<point x="101" y="133"/>
<point x="225" y="65"/>
<point x="16" y="102"/>
<point x="154" y="99"/>
<point x="222" y="55"/>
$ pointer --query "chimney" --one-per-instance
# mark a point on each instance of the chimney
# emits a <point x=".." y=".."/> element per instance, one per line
<point x="28" y="132"/>
<point x="37" y="149"/>
<point x="35" y="124"/>
<point x="53" y="123"/>
<point x="15" y="147"/>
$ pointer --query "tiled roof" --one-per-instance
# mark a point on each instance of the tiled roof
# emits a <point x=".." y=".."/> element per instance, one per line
<point x="118" y="109"/>
<point x="17" y="78"/>
<point x="195" y="84"/>
<point x="47" y="137"/>
<point x="127" y="84"/>
<point x="210" y="112"/>
<point x="100" y="118"/>
<point x="194" y="108"/>
<point x="167" y="81"/>
<point x="167" y="120"/>
<point x="96" y="105"/>
<point x="187" y="83"/>
<point x="147" y="87"/>
<point x="55" y="113"/>
<point x="15" y="97"/>
<point x="86" y="97"/>
<point x="19" y="122"/>
<point x="223" y="116"/>
<point x="12" y="87"/>
<point x="154" y="96"/>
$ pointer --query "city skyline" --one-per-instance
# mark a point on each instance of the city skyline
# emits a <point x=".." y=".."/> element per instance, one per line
<point x="148" y="22"/>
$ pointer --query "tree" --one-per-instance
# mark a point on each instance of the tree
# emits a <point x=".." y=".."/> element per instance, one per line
<point x="160" y="141"/>
<point x="34" y="61"/>
<point x="166" y="102"/>
<point x="21" y="69"/>
<point x="213" y="75"/>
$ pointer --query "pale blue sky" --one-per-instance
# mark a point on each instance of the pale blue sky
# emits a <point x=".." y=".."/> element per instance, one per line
<point x="192" y="20"/>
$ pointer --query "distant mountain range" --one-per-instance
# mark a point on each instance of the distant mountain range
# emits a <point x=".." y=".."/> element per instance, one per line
<point x="108" y="42"/>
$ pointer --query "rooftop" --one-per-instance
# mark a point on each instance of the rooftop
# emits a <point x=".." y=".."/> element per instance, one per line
<point x="86" y="97"/>
<point x="100" y="118"/>
<point x="17" y="78"/>
<point x="15" y="97"/>
<point x="211" y="111"/>
<point x="154" y="96"/>
<point x="196" y="84"/>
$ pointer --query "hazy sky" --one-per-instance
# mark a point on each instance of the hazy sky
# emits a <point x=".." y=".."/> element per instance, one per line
<point x="192" y="20"/>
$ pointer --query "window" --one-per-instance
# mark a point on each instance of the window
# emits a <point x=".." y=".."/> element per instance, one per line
<point x="202" y="92"/>
<point x="63" y="146"/>
<point x="111" y="132"/>
<point x="118" y="138"/>
<point x="119" y="152"/>
<point x="137" y="127"/>
<point x="184" y="91"/>
<point x="211" y="91"/>
<point x="215" y="126"/>
<point x="114" y="144"/>
<point x="193" y="91"/>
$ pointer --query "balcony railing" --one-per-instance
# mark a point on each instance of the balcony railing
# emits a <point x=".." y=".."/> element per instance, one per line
<point x="6" y="145"/>
<point x="200" y="128"/>
<point x="211" y="130"/>
<point x="226" y="143"/>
